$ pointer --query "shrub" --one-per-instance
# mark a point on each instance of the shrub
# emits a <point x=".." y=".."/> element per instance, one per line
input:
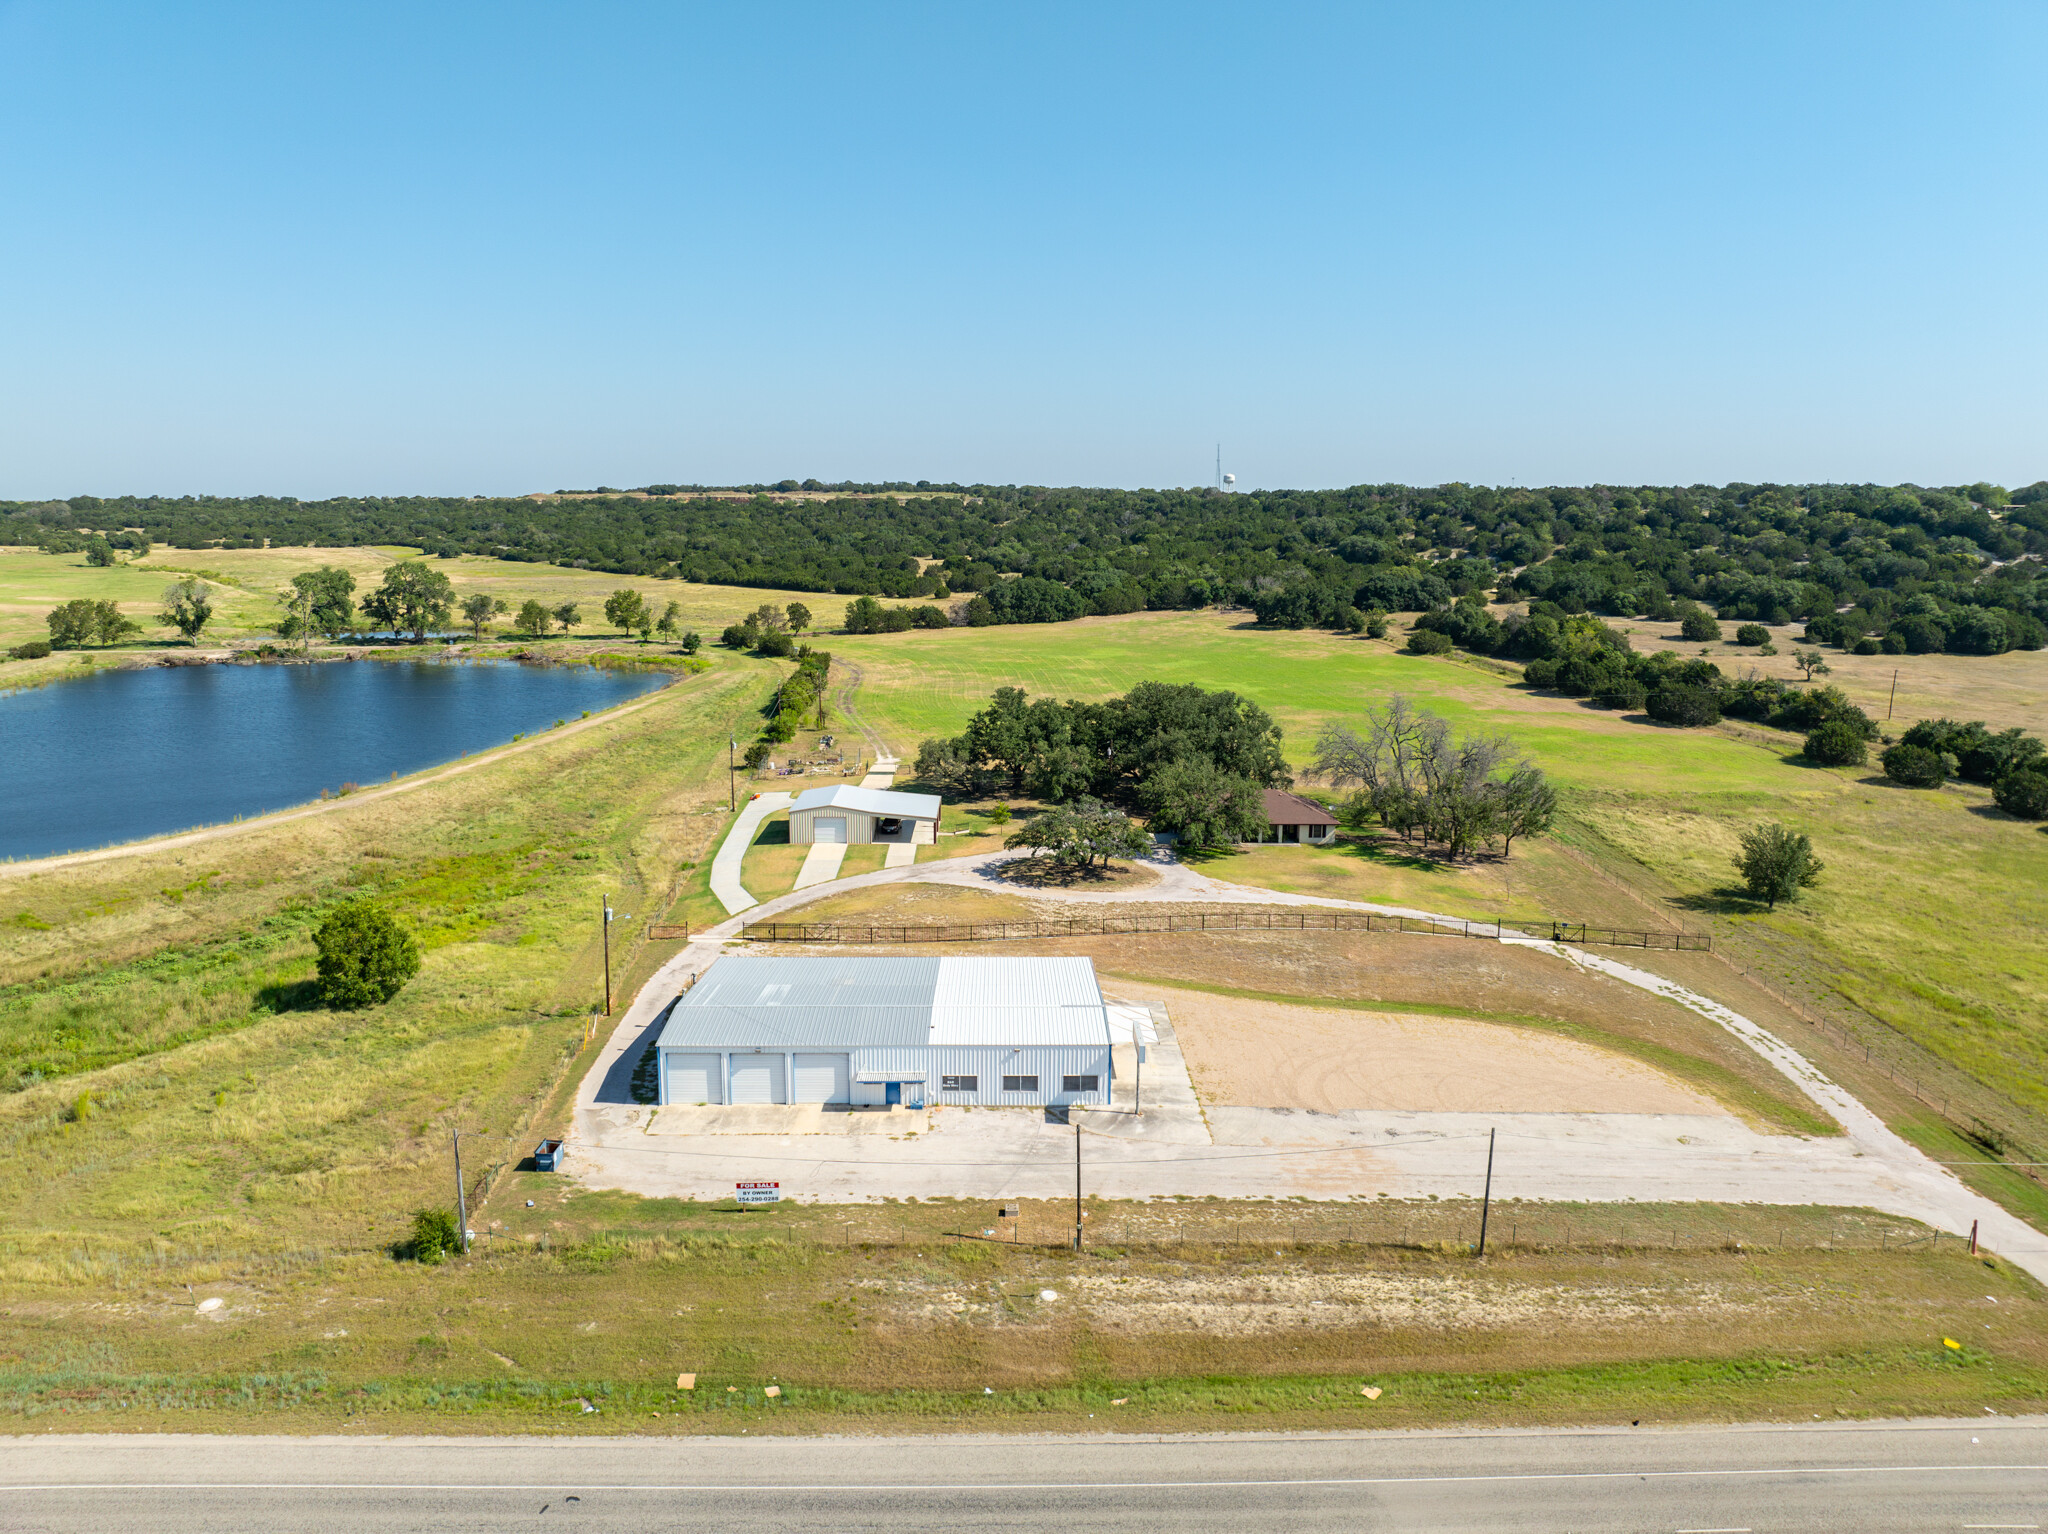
<point x="1429" y="642"/>
<point x="779" y="646"/>
<point x="1699" y="626"/>
<point x="1990" y="757"/>
<point x="365" y="955"/>
<point x="1375" y="623"/>
<point x="1690" y="707"/>
<point x="1540" y="673"/>
<point x="33" y="649"/>
<point x="1868" y="645"/>
<point x="2024" y="794"/>
<point x="434" y="1236"/>
<point x="1916" y="766"/>
<point x="1776" y="863"/>
<point x="1752" y="634"/>
<point x="1624" y="693"/>
<point x="1837" y="743"/>
<point x="999" y="814"/>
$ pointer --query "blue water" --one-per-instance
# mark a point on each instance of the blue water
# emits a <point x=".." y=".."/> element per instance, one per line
<point x="138" y="753"/>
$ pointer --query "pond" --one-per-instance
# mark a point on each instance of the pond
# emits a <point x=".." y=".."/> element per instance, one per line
<point x="127" y="754"/>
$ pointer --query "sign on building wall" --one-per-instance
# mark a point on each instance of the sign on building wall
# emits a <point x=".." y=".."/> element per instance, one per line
<point x="757" y="1192"/>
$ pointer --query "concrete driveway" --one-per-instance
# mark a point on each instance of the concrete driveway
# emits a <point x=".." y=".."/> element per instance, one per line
<point x="725" y="867"/>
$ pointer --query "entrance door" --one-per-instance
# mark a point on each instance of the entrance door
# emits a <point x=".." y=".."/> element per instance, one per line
<point x="892" y="1094"/>
<point x="828" y="830"/>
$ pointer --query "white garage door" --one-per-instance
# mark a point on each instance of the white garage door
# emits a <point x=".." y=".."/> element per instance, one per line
<point x="823" y="1079"/>
<point x="693" y="1078"/>
<point x="757" y="1079"/>
<point x="828" y="830"/>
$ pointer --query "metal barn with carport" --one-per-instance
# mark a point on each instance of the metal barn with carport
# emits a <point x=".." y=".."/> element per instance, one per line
<point x="882" y="1032"/>
<point x="862" y="817"/>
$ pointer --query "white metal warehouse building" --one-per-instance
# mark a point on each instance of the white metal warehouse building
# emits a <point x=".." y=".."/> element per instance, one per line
<point x="873" y="1032"/>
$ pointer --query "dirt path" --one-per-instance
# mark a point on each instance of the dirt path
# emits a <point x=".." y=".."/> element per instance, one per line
<point x="844" y="701"/>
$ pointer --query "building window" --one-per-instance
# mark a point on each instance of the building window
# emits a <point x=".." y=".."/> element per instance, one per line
<point x="959" y="1083"/>
<point x="1079" y="1083"/>
<point x="1020" y="1083"/>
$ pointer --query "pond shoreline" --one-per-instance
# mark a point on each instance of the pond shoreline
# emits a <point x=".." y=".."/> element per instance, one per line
<point x="156" y="752"/>
<point x="90" y="663"/>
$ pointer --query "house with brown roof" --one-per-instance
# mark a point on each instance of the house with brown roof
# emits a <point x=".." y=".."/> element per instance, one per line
<point x="1298" y="821"/>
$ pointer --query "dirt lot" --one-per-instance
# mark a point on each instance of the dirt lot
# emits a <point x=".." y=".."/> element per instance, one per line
<point x="1475" y="982"/>
<point x="1276" y="1055"/>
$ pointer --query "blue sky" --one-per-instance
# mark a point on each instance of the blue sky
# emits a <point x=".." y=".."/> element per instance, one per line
<point x="312" y="250"/>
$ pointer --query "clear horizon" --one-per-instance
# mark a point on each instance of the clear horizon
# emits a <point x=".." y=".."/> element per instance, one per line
<point x="462" y="250"/>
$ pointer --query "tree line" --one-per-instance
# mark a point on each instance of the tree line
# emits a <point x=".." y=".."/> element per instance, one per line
<point x="412" y="598"/>
<point x="1912" y="567"/>
<point x="1198" y="763"/>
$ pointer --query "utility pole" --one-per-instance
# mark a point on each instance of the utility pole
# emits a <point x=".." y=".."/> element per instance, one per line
<point x="1894" y="698"/>
<point x="606" y="902"/>
<point x="1486" y="1198"/>
<point x="461" y="1199"/>
<point x="1077" y="1180"/>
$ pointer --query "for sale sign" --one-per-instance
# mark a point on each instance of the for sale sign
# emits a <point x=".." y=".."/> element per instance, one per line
<point x="757" y="1192"/>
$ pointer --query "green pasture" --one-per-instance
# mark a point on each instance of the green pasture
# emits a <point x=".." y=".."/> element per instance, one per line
<point x="243" y="582"/>
<point x="1928" y="918"/>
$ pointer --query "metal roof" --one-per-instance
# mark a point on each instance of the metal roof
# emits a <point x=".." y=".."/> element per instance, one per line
<point x="850" y="1003"/>
<point x="872" y="801"/>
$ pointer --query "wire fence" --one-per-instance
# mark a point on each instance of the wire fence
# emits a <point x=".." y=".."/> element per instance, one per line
<point x="1221" y="921"/>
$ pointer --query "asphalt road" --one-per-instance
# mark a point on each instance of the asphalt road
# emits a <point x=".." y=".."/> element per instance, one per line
<point x="1943" y="1475"/>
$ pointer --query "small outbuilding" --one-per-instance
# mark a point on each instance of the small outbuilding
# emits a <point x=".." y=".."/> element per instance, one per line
<point x="1297" y="820"/>
<point x="863" y="816"/>
<point x="878" y="1032"/>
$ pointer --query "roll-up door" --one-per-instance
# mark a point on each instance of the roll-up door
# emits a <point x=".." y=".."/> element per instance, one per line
<point x="757" y="1079"/>
<point x="823" y="1079"/>
<point x="828" y="829"/>
<point x="693" y="1078"/>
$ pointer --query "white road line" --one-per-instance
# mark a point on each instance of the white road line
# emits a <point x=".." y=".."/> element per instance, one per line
<point x="1014" y="1486"/>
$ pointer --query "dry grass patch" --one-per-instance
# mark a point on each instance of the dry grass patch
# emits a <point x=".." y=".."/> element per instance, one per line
<point x="915" y="905"/>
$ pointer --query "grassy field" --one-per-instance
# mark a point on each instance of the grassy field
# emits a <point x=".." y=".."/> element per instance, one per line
<point x="1193" y="1314"/>
<point x="1924" y="930"/>
<point x="192" y="1119"/>
<point x="243" y="582"/>
<point x="169" y="1071"/>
